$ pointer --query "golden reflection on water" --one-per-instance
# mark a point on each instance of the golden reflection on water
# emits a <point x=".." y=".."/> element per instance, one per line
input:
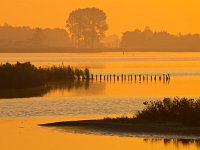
<point x="182" y="86"/>
<point x="24" y="134"/>
<point x="177" y="86"/>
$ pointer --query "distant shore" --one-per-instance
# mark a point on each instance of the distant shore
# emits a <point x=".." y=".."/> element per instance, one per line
<point x="130" y="126"/>
<point x="88" y="50"/>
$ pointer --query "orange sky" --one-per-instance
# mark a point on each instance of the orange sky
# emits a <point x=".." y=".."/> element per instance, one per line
<point x="172" y="15"/>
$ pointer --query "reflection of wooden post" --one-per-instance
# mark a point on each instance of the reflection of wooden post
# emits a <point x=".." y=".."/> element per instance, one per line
<point x="159" y="77"/>
<point x="140" y="77"/>
<point x="163" y="76"/>
<point x="135" y="77"/>
<point x="117" y="78"/>
<point x="151" y="77"/>
<point x="143" y="77"/>
<point x="107" y="77"/>
<point x="114" y="77"/>
<point x="122" y="77"/>
<point x="155" y="77"/>
<point x="104" y="77"/>
<point x="100" y="77"/>
<point x="147" y="77"/>
<point x="131" y="77"/>
<point x="110" y="76"/>
<point x="96" y="76"/>
<point x="92" y="77"/>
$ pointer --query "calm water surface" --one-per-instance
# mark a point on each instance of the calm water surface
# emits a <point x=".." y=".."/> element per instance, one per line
<point x="95" y="99"/>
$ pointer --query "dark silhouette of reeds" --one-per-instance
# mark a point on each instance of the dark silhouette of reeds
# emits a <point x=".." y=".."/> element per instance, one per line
<point x="25" y="75"/>
<point x="182" y="110"/>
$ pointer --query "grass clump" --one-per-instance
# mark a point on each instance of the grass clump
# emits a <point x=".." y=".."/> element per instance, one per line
<point x="182" y="110"/>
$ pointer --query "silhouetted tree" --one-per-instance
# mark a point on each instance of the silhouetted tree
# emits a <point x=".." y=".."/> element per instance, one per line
<point x="87" y="26"/>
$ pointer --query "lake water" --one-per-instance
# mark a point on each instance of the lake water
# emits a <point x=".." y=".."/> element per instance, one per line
<point x="21" y="110"/>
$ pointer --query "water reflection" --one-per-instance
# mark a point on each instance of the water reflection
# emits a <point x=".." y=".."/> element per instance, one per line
<point x="176" y="142"/>
<point x="169" y="142"/>
<point x="42" y="90"/>
<point x="84" y="87"/>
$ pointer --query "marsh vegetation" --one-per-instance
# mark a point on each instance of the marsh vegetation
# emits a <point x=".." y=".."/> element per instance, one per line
<point x="26" y="75"/>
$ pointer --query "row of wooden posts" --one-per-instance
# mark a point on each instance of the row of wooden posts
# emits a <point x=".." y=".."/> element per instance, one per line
<point x="130" y="77"/>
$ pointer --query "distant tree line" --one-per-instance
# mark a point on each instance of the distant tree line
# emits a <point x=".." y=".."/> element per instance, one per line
<point x="159" y="41"/>
<point x="23" y="75"/>
<point x="33" y="38"/>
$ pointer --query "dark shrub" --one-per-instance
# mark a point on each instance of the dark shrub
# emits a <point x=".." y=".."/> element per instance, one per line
<point x="182" y="110"/>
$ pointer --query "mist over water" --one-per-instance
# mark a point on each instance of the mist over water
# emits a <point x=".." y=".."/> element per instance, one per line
<point x="175" y="63"/>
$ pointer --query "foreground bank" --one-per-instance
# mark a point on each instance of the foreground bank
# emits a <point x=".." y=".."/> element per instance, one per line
<point x="170" y="117"/>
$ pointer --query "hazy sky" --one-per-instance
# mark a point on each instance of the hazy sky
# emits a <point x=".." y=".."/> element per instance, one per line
<point x="123" y="15"/>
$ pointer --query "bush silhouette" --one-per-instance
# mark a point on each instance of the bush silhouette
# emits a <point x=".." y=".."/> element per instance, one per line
<point x="182" y="110"/>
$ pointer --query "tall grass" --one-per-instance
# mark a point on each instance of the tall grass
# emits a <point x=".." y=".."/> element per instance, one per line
<point x="23" y="75"/>
<point x="184" y="110"/>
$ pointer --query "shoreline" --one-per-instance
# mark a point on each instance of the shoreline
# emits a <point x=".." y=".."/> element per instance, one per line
<point x="89" y="50"/>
